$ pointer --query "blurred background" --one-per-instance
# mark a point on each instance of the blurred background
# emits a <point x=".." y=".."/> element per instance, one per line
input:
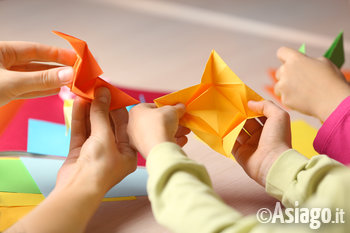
<point x="164" y="44"/>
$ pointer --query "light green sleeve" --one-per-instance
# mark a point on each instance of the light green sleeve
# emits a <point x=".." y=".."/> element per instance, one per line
<point x="183" y="199"/>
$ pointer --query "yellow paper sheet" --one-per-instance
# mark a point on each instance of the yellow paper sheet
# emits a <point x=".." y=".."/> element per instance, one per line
<point x="10" y="215"/>
<point x="216" y="109"/>
<point x="303" y="136"/>
<point x="20" y="199"/>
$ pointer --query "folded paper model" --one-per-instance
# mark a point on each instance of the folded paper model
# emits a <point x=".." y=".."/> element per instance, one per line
<point x="216" y="109"/>
<point x="86" y="74"/>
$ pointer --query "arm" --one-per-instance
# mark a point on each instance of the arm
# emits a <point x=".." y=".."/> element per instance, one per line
<point x="333" y="136"/>
<point x="99" y="158"/>
<point x="182" y="196"/>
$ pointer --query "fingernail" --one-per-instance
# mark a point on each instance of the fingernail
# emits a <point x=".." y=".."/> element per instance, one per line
<point x="65" y="75"/>
<point x="102" y="94"/>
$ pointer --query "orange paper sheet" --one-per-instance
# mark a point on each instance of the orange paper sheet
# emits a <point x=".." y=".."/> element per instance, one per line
<point x="216" y="109"/>
<point x="272" y="74"/>
<point x="7" y="112"/>
<point x="86" y="78"/>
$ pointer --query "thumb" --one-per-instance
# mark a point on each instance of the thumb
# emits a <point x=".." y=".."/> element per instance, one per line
<point x="180" y="109"/>
<point x="265" y="107"/>
<point x="99" y="113"/>
<point x="42" y="80"/>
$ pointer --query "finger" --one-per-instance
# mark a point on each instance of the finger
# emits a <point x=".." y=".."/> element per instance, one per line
<point x="252" y="125"/>
<point x="182" y="131"/>
<point x="243" y="137"/>
<point x="235" y="148"/>
<point x="279" y="72"/>
<point x="265" y="107"/>
<point x="33" y="67"/>
<point x="20" y="52"/>
<point x="120" y="119"/>
<point x="284" y="54"/>
<point x="36" y="94"/>
<point x="276" y="89"/>
<point x="99" y="114"/>
<point x="181" y="141"/>
<point x="262" y="120"/>
<point x="78" y="128"/>
<point x="24" y="82"/>
<point x="180" y="109"/>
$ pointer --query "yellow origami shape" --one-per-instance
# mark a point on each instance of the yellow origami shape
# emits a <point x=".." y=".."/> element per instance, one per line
<point x="216" y="109"/>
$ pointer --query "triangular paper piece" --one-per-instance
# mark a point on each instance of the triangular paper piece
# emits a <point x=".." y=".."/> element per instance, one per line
<point x="335" y="53"/>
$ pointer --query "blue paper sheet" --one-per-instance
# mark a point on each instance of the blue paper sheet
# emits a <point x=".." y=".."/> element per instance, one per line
<point x="47" y="138"/>
<point x="44" y="172"/>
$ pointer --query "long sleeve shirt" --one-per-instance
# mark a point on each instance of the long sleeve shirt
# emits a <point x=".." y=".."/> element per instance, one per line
<point x="184" y="201"/>
<point x="333" y="138"/>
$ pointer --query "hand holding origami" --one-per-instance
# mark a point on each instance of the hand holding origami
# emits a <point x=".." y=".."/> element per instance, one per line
<point x="216" y="109"/>
<point x="22" y="77"/>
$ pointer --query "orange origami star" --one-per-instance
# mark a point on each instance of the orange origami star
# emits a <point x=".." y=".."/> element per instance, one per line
<point x="216" y="109"/>
<point x="86" y="72"/>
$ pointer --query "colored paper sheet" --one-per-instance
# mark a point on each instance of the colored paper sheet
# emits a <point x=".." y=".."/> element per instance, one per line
<point x="10" y="215"/>
<point x="335" y="53"/>
<point x="14" y="137"/>
<point x="7" y="112"/>
<point x="44" y="172"/>
<point x="303" y="136"/>
<point x="216" y="109"/>
<point x="86" y="78"/>
<point x="14" y="177"/>
<point x="20" y="199"/>
<point x="47" y="138"/>
<point x="67" y="111"/>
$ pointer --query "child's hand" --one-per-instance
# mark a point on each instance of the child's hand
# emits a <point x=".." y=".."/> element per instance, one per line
<point x="312" y="86"/>
<point x="149" y="126"/>
<point x="100" y="154"/>
<point x="256" y="153"/>
<point x="21" y="78"/>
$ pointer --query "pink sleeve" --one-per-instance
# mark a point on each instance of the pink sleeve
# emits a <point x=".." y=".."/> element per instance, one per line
<point x="333" y="138"/>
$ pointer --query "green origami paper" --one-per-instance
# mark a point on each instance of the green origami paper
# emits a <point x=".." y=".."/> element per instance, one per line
<point x="15" y="178"/>
<point x="335" y="53"/>
<point x="302" y="48"/>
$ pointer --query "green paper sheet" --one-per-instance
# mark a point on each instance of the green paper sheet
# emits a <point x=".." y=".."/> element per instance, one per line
<point x="302" y="48"/>
<point x="15" y="178"/>
<point x="335" y="53"/>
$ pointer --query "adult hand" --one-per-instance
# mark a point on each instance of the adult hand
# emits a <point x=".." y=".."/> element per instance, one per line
<point x="22" y="77"/>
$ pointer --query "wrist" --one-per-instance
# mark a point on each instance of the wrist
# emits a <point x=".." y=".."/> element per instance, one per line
<point x="269" y="160"/>
<point x="332" y="102"/>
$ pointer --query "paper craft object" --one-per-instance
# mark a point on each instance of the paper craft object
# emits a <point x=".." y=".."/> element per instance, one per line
<point x="335" y="54"/>
<point x="67" y="111"/>
<point x="86" y="75"/>
<point x="216" y="109"/>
